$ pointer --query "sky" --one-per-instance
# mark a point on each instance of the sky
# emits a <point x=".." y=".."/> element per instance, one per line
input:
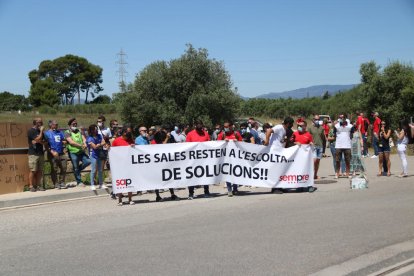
<point x="266" y="46"/>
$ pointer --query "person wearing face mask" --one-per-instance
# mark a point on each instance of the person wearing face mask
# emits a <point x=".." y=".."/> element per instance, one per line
<point x="343" y="145"/>
<point x="95" y="145"/>
<point x="76" y="145"/>
<point x="35" y="136"/>
<point x="229" y="134"/>
<point x="56" y="155"/>
<point x="246" y="136"/>
<point x="176" y="134"/>
<point x="216" y="132"/>
<point x="303" y="137"/>
<point x="126" y="139"/>
<point x="318" y="135"/>
<point x="198" y="134"/>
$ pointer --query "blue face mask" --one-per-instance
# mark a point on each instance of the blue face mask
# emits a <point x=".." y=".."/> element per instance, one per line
<point x="300" y="129"/>
<point x="243" y="131"/>
<point x="226" y="129"/>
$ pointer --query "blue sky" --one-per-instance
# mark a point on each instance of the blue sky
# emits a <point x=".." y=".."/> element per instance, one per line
<point x="266" y="46"/>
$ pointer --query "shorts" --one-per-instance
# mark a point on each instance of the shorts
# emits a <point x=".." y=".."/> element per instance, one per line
<point x="347" y="155"/>
<point x="36" y="163"/>
<point x="384" y="149"/>
<point x="317" y="152"/>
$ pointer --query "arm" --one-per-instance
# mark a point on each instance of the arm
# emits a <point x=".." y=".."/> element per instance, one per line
<point x="252" y="140"/>
<point x="387" y="134"/>
<point x="268" y="133"/>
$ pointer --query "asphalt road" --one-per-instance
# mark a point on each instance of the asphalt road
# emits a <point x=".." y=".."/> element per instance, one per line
<point x="254" y="234"/>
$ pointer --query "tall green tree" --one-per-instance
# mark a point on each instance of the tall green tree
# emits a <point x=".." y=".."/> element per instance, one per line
<point x="181" y="90"/>
<point x="68" y="77"/>
<point x="12" y="102"/>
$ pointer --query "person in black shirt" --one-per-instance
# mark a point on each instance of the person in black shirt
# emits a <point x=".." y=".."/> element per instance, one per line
<point x="36" y="154"/>
<point x="246" y="136"/>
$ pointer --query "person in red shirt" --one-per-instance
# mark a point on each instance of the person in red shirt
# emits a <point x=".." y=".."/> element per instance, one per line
<point x="229" y="134"/>
<point x="198" y="134"/>
<point x="303" y="137"/>
<point x="375" y="133"/>
<point x="326" y="132"/>
<point x="125" y="139"/>
<point x="362" y="124"/>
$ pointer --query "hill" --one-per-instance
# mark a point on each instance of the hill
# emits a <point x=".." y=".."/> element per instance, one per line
<point x="312" y="91"/>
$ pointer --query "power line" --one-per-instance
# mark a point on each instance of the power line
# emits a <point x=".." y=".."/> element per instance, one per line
<point x="122" y="72"/>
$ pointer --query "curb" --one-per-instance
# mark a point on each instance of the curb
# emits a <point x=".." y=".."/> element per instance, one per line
<point x="46" y="199"/>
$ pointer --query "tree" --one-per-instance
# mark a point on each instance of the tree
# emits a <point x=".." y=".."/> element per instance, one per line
<point x="67" y="77"/>
<point x="181" y="90"/>
<point x="12" y="102"/>
<point x="102" y="99"/>
<point x="390" y="92"/>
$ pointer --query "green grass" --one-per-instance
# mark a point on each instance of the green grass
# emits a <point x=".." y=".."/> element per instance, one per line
<point x="84" y="120"/>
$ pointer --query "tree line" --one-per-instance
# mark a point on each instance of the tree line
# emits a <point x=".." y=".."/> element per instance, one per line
<point x="195" y="86"/>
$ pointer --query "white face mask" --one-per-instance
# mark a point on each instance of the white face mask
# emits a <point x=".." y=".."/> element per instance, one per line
<point x="100" y="124"/>
<point x="300" y="129"/>
<point x="73" y="128"/>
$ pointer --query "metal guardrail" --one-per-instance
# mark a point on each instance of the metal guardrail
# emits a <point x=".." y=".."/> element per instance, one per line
<point x="7" y="150"/>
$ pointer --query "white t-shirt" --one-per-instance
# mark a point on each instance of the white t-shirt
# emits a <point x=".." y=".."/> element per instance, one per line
<point x="278" y="136"/>
<point x="343" y="136"/>
<point x="105" y="132"/>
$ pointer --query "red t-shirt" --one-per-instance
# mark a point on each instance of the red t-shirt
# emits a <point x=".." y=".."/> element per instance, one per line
<point x="326" y="129"/>
<point x="194" y="136"/>
<point x="360" y="122"/>
<point x="376" y="126"/>
<point x="234" y="135"/>
<point x="119" y="142"/>
<point x="304" y="138"/>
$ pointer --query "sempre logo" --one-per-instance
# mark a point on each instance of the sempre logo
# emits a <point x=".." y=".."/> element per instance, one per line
<point x="123" y="182"/>
<point x="294" y="178"/>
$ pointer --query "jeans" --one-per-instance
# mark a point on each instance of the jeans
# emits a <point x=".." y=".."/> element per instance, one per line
<point x="76" y="158"/>
<point x="401" y="152"/>
<point x="58" y="164"/>
<point x="364" y="140"/>
<point x="333" y="151"/>
<point x="96" y="167"/>
<point x="375" y="144"/>
<point x="229" y="186"/>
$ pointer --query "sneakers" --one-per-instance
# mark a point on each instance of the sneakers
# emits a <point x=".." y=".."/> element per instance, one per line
<point x="103" y="186"/>
<point x="374" y="156"/>
<point x="63" y="186"/>
<point x="312" y="189"/>
<point x="190" y="197"/>
<point x="120" y="203"/>
<point x="33" y="190"/>
<point x="403" y="175"/>
<point x="40" y="189"/>
<point x="174" y="197"/>
<point x="132" y="202"/>
<point x="230" y="194"/>
<point x="93" y="188"/>
<point x="80" y="184"/>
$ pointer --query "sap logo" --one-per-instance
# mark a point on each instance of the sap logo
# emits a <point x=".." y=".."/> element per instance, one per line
<point x="123" y="182"/>
<point x="293" y="178"/>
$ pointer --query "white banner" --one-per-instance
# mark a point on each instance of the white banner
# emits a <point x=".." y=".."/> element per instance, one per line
<point x="150" y="167"/>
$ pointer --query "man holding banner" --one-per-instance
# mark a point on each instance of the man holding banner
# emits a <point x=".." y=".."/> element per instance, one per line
<point x="198" y="135"/>
<point x="276" y="137"/>
<point x="229" y="134"/>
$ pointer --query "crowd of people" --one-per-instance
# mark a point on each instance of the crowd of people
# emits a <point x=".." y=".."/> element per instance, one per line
<point x="346" y="139"/>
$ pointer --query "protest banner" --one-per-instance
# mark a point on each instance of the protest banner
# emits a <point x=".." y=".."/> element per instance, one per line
<point x="164" y="166"/>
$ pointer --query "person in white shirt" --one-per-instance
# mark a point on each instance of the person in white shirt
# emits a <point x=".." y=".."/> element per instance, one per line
<point x="343" y="131"/>
<point x="276" y="137"/>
